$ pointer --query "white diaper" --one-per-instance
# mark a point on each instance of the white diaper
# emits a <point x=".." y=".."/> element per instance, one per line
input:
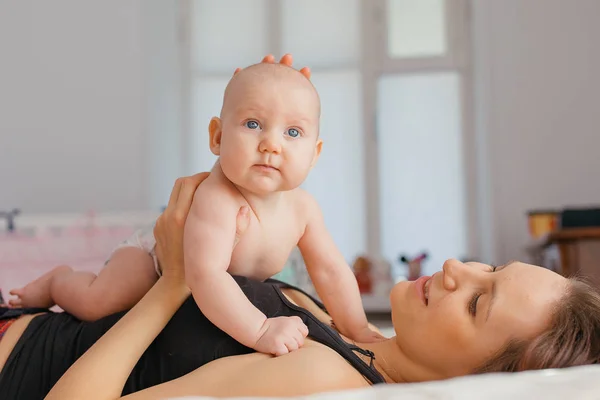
<point x="142" y="239"/>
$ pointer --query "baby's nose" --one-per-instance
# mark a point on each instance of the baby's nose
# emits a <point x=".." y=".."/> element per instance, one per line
<point x="270" y="145"/>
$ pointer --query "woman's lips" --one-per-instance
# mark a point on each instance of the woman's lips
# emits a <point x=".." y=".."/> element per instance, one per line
<point x="420" y="288"/>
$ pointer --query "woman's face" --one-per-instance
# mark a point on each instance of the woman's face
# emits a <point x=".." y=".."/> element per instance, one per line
<point x="471" y="312"/>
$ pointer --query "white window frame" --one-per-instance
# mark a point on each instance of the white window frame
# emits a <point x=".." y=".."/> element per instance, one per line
<point x="374" y="63"/>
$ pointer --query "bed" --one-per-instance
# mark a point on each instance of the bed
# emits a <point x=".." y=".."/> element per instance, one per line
<point x="86" y="240"/>
<point x="577" y="383"/>
<point x="42" y="241"/>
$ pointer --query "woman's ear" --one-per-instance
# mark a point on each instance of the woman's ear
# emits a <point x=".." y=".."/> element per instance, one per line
<point x="317" y="153"/>
<point x="215" y="132"/>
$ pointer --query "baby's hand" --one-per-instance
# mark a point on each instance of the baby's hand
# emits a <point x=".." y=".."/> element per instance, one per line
<point x="281" y="335"/>
<point x="367" y="335"/>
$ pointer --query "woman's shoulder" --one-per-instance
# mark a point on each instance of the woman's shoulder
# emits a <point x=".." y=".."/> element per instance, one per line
<point x="314" y="368"/>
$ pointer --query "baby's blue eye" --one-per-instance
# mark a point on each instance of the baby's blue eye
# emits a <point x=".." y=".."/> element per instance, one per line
<point x="252" y="125"/>
<point x="292" y="132"/>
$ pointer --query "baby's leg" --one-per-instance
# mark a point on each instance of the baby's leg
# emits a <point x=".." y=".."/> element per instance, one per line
<point x="120" y="285"/>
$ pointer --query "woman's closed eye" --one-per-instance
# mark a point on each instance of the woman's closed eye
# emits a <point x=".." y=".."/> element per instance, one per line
<point x="472" y="305"/>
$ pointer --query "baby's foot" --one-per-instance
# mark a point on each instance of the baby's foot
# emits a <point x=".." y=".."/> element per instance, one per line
<point x="37" y="293"/>
<point x="34" y="294"/>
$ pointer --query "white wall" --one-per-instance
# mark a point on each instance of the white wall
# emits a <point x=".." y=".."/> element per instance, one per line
<point x="79" y="100"/>
<point x="537" y="65"/>
<point x="164" y="91"/>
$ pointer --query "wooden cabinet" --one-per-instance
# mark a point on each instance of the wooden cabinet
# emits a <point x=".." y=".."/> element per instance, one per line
<point x="573" y="251"/>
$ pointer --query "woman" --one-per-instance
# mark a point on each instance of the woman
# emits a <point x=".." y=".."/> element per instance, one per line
<point x="465" y="319"/>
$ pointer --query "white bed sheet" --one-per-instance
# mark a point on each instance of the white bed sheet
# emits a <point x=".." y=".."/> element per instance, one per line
<point x="578" y="383"/>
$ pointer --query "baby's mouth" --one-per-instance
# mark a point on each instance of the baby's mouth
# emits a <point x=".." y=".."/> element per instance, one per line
<point x="267" y="166"/>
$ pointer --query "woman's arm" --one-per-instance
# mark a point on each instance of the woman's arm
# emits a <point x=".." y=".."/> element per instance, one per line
<point x="103" y="370"/>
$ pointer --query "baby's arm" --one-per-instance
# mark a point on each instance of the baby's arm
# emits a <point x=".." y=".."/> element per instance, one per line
<point x="208" y="240"/>
<point x="333" y="279"/>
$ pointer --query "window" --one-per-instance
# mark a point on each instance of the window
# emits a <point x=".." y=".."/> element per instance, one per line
<point x="416" y="28"/>
<point x="417" y="101"/>
<point x="391" y="75"/>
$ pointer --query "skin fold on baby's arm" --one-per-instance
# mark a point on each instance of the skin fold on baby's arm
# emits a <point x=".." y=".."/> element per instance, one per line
<point x="208" y="237"/>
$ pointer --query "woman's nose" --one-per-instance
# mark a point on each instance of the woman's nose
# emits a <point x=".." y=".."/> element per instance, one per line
<point x="457" y="273"/>
<point x="269" y="144"/>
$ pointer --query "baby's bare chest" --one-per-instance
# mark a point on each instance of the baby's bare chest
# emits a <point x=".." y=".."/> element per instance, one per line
<point x="265" y="247"/>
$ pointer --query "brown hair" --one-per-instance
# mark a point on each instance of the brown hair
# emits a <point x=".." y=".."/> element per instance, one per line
<point x="572" y="337"/>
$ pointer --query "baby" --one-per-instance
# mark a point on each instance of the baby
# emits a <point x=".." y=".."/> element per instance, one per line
<point x="267" y="141"/>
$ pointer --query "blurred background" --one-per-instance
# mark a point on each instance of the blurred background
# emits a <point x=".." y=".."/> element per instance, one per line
<point x="444" y="121"/>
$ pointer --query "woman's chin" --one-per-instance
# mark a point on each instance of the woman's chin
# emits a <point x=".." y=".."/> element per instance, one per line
<point x="398" y="292"/>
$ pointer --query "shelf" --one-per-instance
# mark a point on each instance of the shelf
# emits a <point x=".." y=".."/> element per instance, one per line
<point x="376" y="304"/>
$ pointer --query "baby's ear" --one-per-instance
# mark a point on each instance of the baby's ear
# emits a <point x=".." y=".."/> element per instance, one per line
<point x="215" y="132"/>
<point x="318" y="148"/>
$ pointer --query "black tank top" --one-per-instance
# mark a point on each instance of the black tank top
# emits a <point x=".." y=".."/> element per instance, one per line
<point x="53" y="342"/>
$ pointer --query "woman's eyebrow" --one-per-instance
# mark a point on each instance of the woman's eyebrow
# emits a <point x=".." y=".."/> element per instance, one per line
<point x="508" y="264"/>
<point x="494" y="289"/>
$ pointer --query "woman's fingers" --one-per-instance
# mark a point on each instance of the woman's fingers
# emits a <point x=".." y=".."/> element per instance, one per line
<point x="168" y="229"/>
<point x="186" y="195"/>
<point x="182" y="195"/>
<point x="270" y="59"/>
<point x="306" y="72"/>
<point x="188" y="188"/>
<point x="287" y="59"/>
<point x="174" y="194"/>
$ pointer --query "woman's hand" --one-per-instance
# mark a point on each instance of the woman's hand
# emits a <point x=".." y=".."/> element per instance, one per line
<point x="168" y="230"/>
<point x="286" y="60"/>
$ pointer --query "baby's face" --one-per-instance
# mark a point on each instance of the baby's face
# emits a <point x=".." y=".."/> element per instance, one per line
<point x="270" y="129"/>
